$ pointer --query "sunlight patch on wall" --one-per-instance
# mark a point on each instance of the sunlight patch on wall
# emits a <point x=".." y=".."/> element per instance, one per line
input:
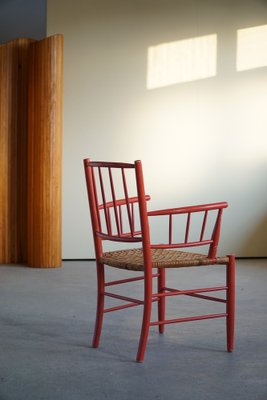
<point x="181" y="61"/>
<point x="251" y="48"/>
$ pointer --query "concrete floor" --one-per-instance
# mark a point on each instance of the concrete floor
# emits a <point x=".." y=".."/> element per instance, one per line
<point x="47" y="320"/>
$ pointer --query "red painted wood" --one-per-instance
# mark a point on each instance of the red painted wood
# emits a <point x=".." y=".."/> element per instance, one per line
<point x="118" y="282"/>
<point x="175" y="292"/>
<point x="170" y="229"/>
<point x="119" y="226"/>
<point x="162" y="299"/>
<point x="187" y="227"/>
<point x="188" y="319"/>
<point x="185" y="210"/>
<point x="203" y="226"/>
<point x="181" y="245"/>
<point x="230" y="321"/>
<point x="121" y="202"/>
<point x="118" y="296"/>
<point x="200" y="296"/>
<point x="147" y="262"/>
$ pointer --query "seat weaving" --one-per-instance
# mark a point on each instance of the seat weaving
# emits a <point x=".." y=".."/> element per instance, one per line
<point x="161" y="258"/>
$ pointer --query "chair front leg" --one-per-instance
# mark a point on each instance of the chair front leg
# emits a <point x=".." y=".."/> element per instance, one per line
<point x="100" y="304"/>
<point x="162" y="300"/>
<point x="230" y="305"/>
<point x="146" y="316"/>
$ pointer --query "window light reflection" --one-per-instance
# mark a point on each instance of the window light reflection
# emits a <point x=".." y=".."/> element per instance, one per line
<point x="251" y="48"/>
<point x="181" y="61"/>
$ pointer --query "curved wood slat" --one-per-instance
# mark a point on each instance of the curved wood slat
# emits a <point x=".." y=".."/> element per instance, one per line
<point x="44" y="153"/>
<point x="13" y="150"/>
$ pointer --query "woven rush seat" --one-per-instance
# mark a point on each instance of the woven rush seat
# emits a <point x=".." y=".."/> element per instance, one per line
<point x="161" y="258"/>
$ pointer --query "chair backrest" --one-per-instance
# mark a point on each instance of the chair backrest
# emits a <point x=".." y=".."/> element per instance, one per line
<point x="117" y="202"/>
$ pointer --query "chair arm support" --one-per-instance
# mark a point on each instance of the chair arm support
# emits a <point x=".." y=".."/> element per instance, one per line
<point x="211" y="240"/>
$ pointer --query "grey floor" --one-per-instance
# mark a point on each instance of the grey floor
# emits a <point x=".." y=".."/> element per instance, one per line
<point x="47" y="319"/>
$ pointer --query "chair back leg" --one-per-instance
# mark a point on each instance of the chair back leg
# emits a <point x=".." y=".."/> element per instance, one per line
<point x="230" y="305"/>
<point x="162" y="300"/>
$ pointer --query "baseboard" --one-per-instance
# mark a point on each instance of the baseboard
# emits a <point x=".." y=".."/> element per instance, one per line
<point x="252" y="258"/>
<point x="78" y="259"/>
<point x="237" y="258"/>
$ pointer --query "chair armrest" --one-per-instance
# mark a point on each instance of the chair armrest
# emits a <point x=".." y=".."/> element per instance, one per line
<point x="121" y="202"/>
<point x="189" y="209"/>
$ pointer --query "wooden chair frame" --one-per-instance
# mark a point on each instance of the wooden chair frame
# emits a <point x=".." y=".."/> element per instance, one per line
<point x="151" y="256"/>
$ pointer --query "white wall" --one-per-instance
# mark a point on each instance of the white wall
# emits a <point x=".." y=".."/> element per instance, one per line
<point x="200" y="141"/>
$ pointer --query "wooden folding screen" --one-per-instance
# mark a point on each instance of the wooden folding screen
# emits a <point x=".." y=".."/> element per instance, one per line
<point x="30" y="151"/>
